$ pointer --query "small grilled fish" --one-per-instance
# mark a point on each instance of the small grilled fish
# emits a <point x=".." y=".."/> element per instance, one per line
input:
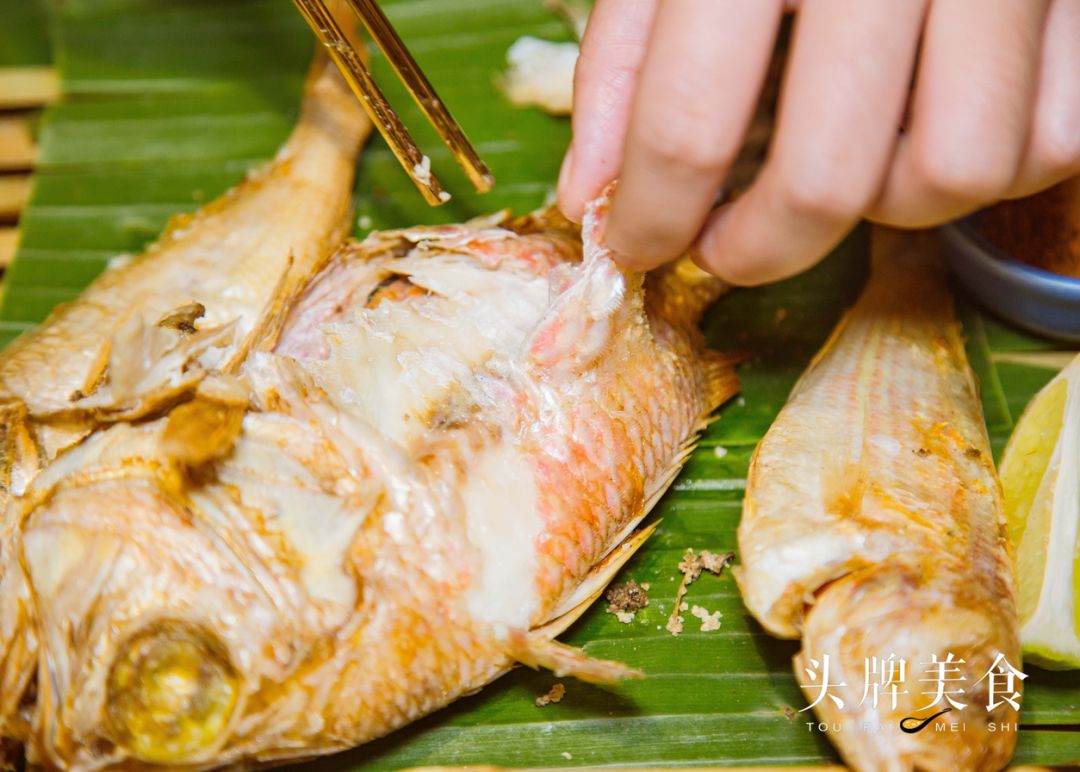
<point x="873" y="525"/>
<point x="422" y="467"/>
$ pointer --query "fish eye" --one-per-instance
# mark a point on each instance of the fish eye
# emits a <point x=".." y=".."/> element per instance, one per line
<point x="171" y="692"/>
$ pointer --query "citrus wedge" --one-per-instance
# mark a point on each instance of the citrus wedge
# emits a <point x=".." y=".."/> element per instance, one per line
<point x="1040" y="476"/>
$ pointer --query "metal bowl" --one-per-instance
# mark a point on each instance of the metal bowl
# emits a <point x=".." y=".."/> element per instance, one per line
<point x="1041" y="301"/>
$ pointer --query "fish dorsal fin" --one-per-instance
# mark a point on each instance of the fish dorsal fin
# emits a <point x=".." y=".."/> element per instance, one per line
<point x="721" y="380"/>
<point x="681" y="292"/>
<point x="538" y="651"/>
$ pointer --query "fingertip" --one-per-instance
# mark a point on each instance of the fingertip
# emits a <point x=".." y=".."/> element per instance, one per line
<point x="632" y="263"/>
<point x="734" y="249"/>
<point x="571" y="205"/>
<point x="714" y="253"/>
<point x="630" y="251"/>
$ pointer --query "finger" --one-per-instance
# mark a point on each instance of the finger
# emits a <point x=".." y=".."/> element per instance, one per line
<point x="971" y="114"/>
<point x="604" y="83"/>
<point x="844" y="95"/>
<point x="1053" y="149"/>
<point x="698" y="87"/>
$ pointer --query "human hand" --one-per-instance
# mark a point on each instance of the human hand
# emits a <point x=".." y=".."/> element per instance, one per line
<point x="665" y="89"/>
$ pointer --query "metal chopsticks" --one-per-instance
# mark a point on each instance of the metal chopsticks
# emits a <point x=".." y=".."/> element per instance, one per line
<point x="356" y="73"/>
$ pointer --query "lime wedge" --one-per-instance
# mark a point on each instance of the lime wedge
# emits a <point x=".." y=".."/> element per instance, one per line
<point x="1040" y="476"/>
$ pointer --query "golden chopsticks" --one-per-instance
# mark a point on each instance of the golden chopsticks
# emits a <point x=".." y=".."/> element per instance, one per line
<point x="356" y="73"/>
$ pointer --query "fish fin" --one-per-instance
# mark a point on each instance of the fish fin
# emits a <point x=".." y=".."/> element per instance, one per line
<point x="594" y="583"/>
<point x="538" y="651"/>
<point x="583" y="320"/>
<point x="628" y="542"/>
<point x="21" y="456"/>
<point x="721" y="380"/>
<point x="656" y="491"/>
<point x="181" y="356"/>
<point x="680" y="291"/>
<point x="202" y="430"/>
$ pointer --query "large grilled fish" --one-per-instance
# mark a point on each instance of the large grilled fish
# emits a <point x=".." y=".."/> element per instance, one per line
<point x="873" y="525"/>
<point x="293" y="524"/>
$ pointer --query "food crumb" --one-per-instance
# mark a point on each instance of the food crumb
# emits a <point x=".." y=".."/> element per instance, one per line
<point x="540" y="73"/>
<point x="554" y="694"/>
<point x="675" y="624"/>
<point x="709" y="621"/>
<point x="444" y="196"/>
<point x="781" y="315"/>
<point x="422" y="171"/>
<point x="626" y="599"/>
<point x="567" y="755"/>
<point x="720" y="451"/>
<point x="790" y="713"/>
<point x="691" y="566"/>
<point x="364" y="222"/>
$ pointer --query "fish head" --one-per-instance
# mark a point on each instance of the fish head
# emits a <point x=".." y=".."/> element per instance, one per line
<point x="190" y="624"/>
<point x="156" y="629"/>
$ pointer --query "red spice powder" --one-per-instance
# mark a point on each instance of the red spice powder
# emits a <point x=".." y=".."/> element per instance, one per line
<point x="1042" y="230"/>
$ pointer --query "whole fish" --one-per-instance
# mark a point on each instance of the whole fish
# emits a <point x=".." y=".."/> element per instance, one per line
<point x="873" y="530"/>
<point x="150" y="328"/>
<point x="420" y="466"/>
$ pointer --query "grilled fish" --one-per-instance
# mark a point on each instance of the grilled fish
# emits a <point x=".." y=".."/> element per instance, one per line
<point x="410" y="469"/>
<point x="873" y="525"/>
<point x="152" y="327"/>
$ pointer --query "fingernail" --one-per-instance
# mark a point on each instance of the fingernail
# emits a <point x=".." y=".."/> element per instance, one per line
<point x="564" y="174"/>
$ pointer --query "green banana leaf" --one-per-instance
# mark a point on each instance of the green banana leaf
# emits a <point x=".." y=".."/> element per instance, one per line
<point x="169" y="102"/>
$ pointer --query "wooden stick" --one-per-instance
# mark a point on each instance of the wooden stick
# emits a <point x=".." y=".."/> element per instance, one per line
<point x="23" y="87"/>
<point x="14" y="192"/>
<point x="17" y="150"/>
<point x="384" y="34"/>
<point x="356" y="74"/>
